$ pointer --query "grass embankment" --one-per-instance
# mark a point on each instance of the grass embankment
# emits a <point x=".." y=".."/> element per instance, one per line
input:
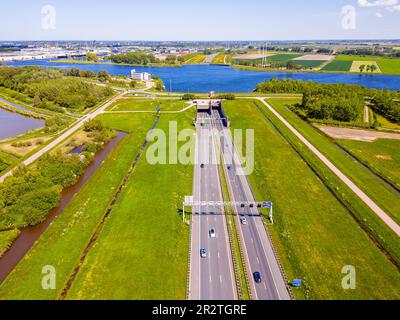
<point x="142" y="251"/>
<point x="314" y="234"/>
<point x="66" y="238"/>
<point x="366" y="180"/>
<point x="148" y="105"/>
<point x="6" y="239"/>
<point x="378" y="192"/>
<point x="381" y="156"/>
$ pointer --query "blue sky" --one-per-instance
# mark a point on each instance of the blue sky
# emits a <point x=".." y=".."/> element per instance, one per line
<point x="199" y="20"/>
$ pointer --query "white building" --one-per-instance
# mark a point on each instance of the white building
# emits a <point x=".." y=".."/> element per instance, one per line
<point x="141" y="76"/>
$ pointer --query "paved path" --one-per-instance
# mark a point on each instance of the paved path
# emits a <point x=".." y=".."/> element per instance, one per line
<point x="65" y="135"/>
<point x="153" y="111"/>
<point x="366" y="114"/>
<point x="367" y="200"/>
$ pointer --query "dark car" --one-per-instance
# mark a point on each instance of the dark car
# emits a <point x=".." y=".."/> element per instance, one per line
<point x="202" y="166"/>
<point x="257" y="277"/>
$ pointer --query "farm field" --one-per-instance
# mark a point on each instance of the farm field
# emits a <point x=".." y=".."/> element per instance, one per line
<point x="198" y="58"/>
<point x="318" y="250"/>
<point x="338" y="65"/>
<point x="66" y="238"/>
<point x="355" y="67"/>
<point x="386" y="124"/>
<point x="386" y="65"/>
<point x="283" y="58"/>
<point x="366" y="180"/>
<point x="146" y="235"/>
<point x="148" y="105"/>
<point x="309" y="63"/>
<point x="382" y="156"/>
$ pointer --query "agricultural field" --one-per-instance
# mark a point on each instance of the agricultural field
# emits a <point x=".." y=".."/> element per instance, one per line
<point x="311" y="64"/>
<point x="355" y="67"/>
<point x="193" y="58"/>
<point x="146" y="235"/>
<point x="386" y="124"/>
<point x="338" y="65"/>
<point x="311" y="245"/>
<point x="65" y="240"/>
<point x="382" y="156"/>
<point x="283" y="58"/>
<point x="148" y="105"/>
<point x="386" y="65"/>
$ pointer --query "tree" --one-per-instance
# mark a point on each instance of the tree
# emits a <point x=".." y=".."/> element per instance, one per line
<point x="362" y="67"/>
<point x="103" y="75"/>
<point x="373" y="68"/>
<point x="92" y="57"/>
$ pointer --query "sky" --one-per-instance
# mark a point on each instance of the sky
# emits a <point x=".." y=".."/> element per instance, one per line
<point x="166" y="20"/>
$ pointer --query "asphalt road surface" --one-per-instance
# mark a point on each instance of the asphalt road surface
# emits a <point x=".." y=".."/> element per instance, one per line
<point x="256" y="245"/>
<point x="212" y="277"/>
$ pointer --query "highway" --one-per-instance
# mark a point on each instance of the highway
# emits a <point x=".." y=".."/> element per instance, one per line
<point x="211" y="278"/>
<point x="255" y="244"/>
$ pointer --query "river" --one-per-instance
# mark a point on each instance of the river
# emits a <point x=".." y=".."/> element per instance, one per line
<point x="30" y="235"/>
<point x="206" y="78"/>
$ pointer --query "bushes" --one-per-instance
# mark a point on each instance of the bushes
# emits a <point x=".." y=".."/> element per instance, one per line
<point x="339" y="102"/>
<point x="54" y="124"/>
<point x="51" y="89"/>
<point x="28" y="195"/>
<point x="226" y="96"/>
<point x="93" y="125"/>
<point x="134" y="58"/>
<point x="189" y="96"/>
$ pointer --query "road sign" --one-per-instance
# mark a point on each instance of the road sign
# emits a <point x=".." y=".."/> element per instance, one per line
<point x="267" y="205"/>
<point x="297" y="283"/>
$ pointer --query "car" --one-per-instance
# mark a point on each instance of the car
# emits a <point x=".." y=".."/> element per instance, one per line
<point x="202" y="166"/>
<point x="244" y="221"/>
<point x="212" y="233"/>
<point x="257" y="277"/>
<point x="251" y="205"/>
<point x="229" y="168"/>
<point x="203" y="253"/>
<point x="242" y="205"/>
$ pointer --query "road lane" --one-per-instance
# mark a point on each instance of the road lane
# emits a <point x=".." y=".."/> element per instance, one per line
<point x="211" y="278"/>
<point x="256" y="245"/>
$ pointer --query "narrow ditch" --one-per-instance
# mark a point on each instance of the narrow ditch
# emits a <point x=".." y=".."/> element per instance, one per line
<point x="355" y="218"/>
<point x="99" y="228"/>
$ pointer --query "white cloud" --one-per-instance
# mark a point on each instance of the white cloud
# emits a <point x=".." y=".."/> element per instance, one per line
<point x="394" y="8"/>
<point x="378" y="15"/>
<point x="377" y="3"/>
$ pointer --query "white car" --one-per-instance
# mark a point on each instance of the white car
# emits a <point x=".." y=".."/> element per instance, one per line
<point x="212" y="233"/>
<point x="244" y="221"/>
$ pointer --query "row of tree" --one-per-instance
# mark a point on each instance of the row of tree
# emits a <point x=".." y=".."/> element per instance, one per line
<point x="339" y="102"/>
<point x="51" y="89"/>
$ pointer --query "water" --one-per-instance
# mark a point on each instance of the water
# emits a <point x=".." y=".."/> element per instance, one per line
<point x="13" y="124"/>
<point x="30" y="235"/>
<point x="206" y="78"/>
<point x="16" y="106"/>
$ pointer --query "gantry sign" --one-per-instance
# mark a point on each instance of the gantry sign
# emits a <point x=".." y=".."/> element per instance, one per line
<point x="190" y="202"/>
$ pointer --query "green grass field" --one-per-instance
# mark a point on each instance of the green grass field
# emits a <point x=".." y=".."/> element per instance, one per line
<point x="379" y="192"/>
<point x="309" y="63"/>
<point x="147" y="105"/>
<point x="386" y="124"/>
<point x="6" y="239"/>
<point x="219" y="59"/>
<point x="382" y="156"/>
<point x="64" y="241"/>
<point x="142" y="251"/>
<point x="338" y="65"/>
<point x="283" y="58"/>
<point x="314" y="234"/>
